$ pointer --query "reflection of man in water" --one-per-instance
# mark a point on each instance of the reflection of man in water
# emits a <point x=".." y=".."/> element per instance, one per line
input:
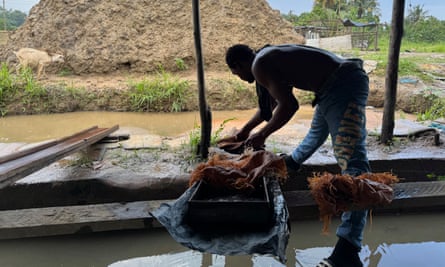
<point x="341" y="89"/>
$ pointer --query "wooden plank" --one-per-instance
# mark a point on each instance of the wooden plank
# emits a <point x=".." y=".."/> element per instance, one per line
<point x="25" y="152"/>
<point x="423" y="196"/>
<point x="77" y="219"/>
<point x="37" y="148"/>
<point x="36" y="158"/>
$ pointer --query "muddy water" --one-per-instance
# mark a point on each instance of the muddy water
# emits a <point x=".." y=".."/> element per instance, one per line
<point x="49" y="126"/>
<point x="43" y="127"/>
<point x="390" y="241"/>
<point x="37" y="128"/>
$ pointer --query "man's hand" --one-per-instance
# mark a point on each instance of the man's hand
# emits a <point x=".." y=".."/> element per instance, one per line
<point x="229" y="139"/>
<point x="239" y="137"/>
<point x="231" y="145"/>
<point x="256" y="141"/>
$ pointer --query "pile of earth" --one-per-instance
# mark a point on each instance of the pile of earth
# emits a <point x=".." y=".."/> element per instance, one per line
<point x="103" y="36"/>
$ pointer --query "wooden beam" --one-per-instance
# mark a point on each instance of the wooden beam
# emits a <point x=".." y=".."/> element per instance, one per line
<point x="18" y="165"/>
<point x="204" y="110"/>
<point x="418" y="197"/>
<point x="392" y="71"/>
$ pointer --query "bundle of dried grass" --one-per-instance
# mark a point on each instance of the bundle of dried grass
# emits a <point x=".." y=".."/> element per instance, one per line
<point x="337" y="193"/>
<point x="240" y="172"/>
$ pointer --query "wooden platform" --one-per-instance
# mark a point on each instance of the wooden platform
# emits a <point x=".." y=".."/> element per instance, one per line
<point x="95" y="204"/>
<point x="409" y="197"/>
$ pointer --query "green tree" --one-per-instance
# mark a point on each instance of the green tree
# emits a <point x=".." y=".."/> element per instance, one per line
<point x="291" y="17"/>
<point x="419" y="27"/>
<point x="363" y="10"/>
<point x="353" y="9"/>
<point x="337" y="5"/>
<point x="416" y="14"/>
<point x="428" y="30"/>
<point x="14" y="19"/>
<point x="323" y="10"/>
<point x="331" y="4"/>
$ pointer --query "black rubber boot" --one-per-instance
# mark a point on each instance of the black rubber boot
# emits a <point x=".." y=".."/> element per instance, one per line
<point x="345" y="255"/>
<point x="291" y="165"/>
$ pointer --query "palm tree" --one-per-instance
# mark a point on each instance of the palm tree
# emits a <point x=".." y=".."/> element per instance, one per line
<point x="367" y="9"/>
<point x="364" y="9"/>
<point x="331" y="4"/>
<point x="416" y="14"/>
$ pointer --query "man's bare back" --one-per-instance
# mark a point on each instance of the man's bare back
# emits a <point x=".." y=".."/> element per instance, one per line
<point x="299" y="66"/>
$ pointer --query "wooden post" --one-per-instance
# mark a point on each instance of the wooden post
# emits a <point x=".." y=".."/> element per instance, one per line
<point x="206" y="115"/>
<point x="391" y="71"/>
<point x="4" y="16"/>
<point x="376" y="37"/>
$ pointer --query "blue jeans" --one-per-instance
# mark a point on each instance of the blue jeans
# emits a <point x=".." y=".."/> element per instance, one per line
<point x="340" y="112"/>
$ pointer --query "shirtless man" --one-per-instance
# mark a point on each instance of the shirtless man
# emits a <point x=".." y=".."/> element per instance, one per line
<point x="341" y="87"/>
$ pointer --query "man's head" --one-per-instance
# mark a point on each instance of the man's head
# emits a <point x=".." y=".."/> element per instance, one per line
<point x="239" y="58"/>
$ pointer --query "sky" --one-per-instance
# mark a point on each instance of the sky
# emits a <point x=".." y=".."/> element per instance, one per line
<point x="434" y="8"/>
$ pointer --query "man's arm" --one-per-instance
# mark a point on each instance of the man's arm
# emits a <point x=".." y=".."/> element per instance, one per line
<point x="286" y="102"/>
<point x="266" y="106"/>
<point x="256" y="120"/>
<point x="286" y="107"/>
<point x="243" y="134"/>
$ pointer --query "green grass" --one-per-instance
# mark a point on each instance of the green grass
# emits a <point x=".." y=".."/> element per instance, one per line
<point x="164" y="92"/>
<point x="409" y="46"/>
<point x="435" y="111"/>
<point x="195" y="136"/>
<point x="6" y="81"/>
<point x="32" y="88"/>
<point x="422" y="47"/>
<point x="180" y="64"/>
<point x="409" y="62"/>
<point x="22" y="87"/>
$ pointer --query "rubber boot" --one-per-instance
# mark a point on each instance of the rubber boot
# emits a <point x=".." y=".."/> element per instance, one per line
<point x="291" y="165"/>
<point x="345" y="255"/>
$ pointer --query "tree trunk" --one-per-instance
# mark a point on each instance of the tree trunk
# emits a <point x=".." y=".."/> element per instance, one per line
<point x="391" y="71"/>
<point x="205" y="113"/>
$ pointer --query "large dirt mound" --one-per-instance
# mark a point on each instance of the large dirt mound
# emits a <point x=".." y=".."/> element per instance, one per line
<point x="101" y="36"/>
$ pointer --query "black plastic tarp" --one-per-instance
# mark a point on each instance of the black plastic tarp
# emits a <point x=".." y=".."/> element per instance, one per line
<point x="272" y="241"/>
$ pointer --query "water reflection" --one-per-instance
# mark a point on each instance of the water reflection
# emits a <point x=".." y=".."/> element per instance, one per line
<point x="192" y="259"/>
<point x="415" y="254"/>
<point x="390" y="241"/>
<point x="422" y="254"/>
<point x="187" y="258"/>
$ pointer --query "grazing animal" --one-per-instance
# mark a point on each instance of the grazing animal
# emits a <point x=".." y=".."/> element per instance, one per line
<point x="33" y="58"/>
